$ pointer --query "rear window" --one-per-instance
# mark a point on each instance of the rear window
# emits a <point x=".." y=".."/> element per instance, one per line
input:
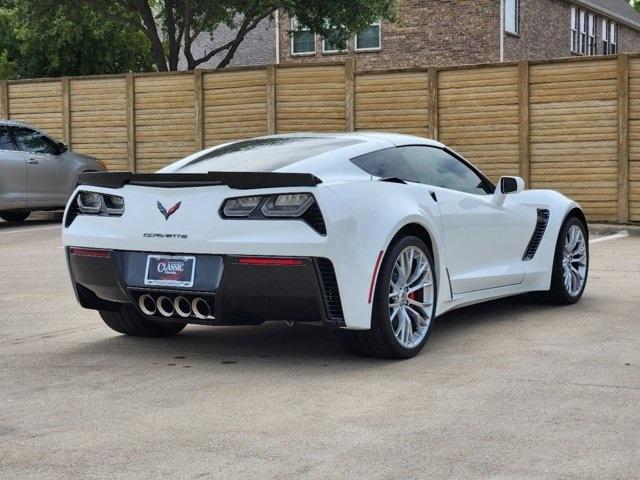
<point x="264" y="154"/>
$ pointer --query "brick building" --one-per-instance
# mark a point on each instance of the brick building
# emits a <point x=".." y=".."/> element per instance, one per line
<point x="451" y="32"/>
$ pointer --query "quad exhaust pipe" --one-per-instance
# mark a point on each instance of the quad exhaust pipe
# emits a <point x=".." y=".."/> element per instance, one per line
<point x="180" y="306"/>
<point x="165" y="306"/>
<point x="147" y="304"/>
<point x="201" y="309"/>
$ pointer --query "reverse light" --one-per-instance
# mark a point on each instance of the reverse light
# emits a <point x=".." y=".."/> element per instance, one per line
<point x="241" y="207"/>
<point x="287" y="205"/>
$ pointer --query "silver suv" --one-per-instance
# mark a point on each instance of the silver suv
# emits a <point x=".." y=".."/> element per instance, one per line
<point x="36" y="172"/>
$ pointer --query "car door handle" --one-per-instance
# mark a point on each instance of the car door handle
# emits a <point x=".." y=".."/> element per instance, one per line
<point x="33" y="161"/>
<point x="433" y="195"/>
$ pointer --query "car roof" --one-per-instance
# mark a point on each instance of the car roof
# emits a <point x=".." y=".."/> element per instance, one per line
<point x="395" y="139"/>
<point x="322" y="154"/>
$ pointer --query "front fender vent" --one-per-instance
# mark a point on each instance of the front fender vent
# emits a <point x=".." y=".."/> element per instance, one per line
<point x="538" y="233"/>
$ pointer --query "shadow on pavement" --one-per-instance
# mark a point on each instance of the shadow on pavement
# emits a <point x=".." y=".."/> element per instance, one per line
<point x="301" y="344"/>
<point x="34" y="220"/>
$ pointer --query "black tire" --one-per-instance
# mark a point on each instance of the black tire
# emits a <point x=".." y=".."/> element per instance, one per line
<point x="18" y="216"/>
<point x="558" y="293"/>
<point x="379" y="341"/>
<point x="130" y="322"/>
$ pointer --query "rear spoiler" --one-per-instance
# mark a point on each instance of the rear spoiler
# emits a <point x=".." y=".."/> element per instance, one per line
<point x="239" y="180"/>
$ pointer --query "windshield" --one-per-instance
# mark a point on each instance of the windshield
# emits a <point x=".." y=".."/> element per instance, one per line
<point x="264" y="154"/>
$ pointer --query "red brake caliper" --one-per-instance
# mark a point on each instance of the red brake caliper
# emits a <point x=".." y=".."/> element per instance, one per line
<point x="417" y="295"/>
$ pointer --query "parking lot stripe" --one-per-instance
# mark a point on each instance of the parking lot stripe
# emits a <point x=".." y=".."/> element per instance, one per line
<point x="30" y="229"/>
<point x="615" y="236"/>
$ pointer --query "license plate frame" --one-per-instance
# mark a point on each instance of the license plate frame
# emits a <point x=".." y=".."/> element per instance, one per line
<point x="176" y="274"/>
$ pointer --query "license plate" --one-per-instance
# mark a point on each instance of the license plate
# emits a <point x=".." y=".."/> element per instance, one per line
<point x="170" y="271"/>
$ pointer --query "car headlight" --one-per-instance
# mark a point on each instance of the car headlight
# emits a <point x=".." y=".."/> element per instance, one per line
<point x="287" y="205"/>
<point x="241" y="207"/>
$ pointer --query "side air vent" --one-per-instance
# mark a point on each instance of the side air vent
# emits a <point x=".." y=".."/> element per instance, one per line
<point x="330" y="290"/>
<point x="538" y="232"/>
<point x="313" y="217"/>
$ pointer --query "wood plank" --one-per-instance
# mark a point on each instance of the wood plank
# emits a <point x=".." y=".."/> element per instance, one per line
<point x="198" y="110"/>
<point x="433" y="105"/>
<point x="131" y="123"/>
<point x="66" y="111"/>
<point x="272" y="126"/>
<point x="4" y="99"/>
<point x="523" y="121"/>
<point x="623" y="138"/>
<point x="349" y="95"/>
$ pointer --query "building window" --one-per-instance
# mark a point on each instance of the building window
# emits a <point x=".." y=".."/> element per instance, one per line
<point x="369" y="38"/>
<point x="583" y="32"/>
<point x="574" y="29"/>
<point x="609" y="37"/>
<point x="303" y="40"/>
<point x="329" y="43"/>
<point x="512" y="16"/>
<point x="591" y="34"/>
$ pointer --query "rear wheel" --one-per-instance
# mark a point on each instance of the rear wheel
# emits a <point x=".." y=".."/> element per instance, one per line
<point x="18" y="216"/>
<point x="403" y="304"/>
<point x="570" y="265"/>
<point x="130" y="322"/>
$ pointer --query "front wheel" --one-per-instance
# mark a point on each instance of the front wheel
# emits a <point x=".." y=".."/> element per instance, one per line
<point x="570" y="265"/>
<point x="403" y="304"/>
<point x="18" y="216"/>
<point x="130" y="322"/>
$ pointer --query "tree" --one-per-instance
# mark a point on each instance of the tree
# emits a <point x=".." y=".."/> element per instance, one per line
<point x="62" y="40"/>
<point x="171" y="26"/>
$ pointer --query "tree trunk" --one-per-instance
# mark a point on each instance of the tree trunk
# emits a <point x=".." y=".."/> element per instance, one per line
<point x="151" y="31"/>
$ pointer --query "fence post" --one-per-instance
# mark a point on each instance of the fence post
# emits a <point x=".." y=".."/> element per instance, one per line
<point x="198" y="111"/>
<point x="350" y="94"/>
<point x="4" y="99"/>
<point x="432" y="92"/>
<point x="272" y="127"/>
<point x="523" y="112"/>
<point x="66" y="111"/>
<point x="131" y="123"/>
<point x="623" y="138"/>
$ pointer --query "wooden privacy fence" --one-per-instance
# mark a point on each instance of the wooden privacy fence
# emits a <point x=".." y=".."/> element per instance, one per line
<point x="569" y="124"/>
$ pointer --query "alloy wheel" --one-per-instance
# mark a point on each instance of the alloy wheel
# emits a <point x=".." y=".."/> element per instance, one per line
<point x="574" y="260"/>
<point x="411" y="293"/>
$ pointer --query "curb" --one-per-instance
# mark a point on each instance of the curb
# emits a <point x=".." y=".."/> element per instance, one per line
<point x="610" y="229"/>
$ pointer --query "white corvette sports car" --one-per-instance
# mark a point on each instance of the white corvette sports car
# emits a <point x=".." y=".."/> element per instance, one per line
<point x="371" y="234"/>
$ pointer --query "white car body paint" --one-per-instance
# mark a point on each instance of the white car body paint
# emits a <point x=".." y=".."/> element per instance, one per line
<point x="478" y="240"/>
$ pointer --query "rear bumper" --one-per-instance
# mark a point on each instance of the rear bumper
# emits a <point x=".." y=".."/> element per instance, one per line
<point x="240" y="294"/>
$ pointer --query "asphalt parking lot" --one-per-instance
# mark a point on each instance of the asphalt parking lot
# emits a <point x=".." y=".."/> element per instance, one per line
<point x="506" y="390"/>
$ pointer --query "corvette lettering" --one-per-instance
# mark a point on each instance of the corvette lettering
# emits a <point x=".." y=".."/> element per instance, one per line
<point x="165" y="235"/>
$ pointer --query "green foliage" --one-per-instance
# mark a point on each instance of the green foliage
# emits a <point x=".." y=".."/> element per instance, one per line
<point x="81" y="37"/>
<point x="173" y="25"/>
<point x="64" y="40"/>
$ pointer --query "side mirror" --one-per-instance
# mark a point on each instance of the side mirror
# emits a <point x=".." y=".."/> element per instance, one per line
<point x="62" y="148"/>
<point x="510" y="185"/>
